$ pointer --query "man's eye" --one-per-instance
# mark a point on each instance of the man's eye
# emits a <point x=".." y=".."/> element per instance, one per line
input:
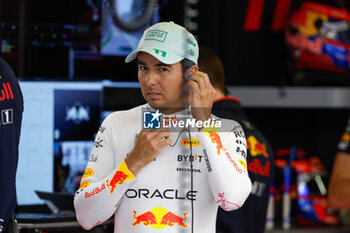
<point x="163" y="69"/>
<point x="142" y="68"/>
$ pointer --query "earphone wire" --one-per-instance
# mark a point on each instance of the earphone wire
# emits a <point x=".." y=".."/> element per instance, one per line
<point x="177" y="139"/>
<point x="191" y="158"/>
<point x="191" y="162"/>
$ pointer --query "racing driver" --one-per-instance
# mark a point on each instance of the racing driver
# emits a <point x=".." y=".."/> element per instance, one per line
<point x="165" y="166"/>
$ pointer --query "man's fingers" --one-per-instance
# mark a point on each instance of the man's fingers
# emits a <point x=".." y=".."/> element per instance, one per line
<point x="201" y="92"/>
<point x="165" y="142"/>
<point x="153" y="137"/>
<point x="151" y="133"/>
<point x="160" y="135"/>
<point x="152" y="130"/>
<point x="193" y="86"/>
<point x="200" y="81"/>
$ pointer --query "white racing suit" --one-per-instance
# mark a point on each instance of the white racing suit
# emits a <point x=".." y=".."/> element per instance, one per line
<point x="160" y="198"/>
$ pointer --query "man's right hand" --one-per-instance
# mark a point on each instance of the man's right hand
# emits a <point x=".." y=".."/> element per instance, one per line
<point x="147" y="146"/>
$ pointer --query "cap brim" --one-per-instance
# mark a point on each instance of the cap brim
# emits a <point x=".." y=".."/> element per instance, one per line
<point x="168" y="58"/>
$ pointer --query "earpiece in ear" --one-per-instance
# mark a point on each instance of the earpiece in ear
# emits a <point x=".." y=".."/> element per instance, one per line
<point x="188" y="75"/>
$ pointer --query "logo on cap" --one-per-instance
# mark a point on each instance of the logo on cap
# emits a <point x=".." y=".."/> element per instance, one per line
<point x="157" y="52"/>
<point x="191" y="42"/>
<point x="156" y="35"/>
<point x="191" y="52"/>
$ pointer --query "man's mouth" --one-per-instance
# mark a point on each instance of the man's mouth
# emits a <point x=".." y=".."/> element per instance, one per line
<point x="153" y="94"/>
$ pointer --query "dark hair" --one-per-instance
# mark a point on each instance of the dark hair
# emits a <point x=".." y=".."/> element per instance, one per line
<point x="211" y="64"/>
<point x="186" y="64"/>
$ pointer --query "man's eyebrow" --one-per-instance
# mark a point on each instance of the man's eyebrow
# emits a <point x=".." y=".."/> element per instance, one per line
<point x="140" y="62"/>
<point x="163" y="64"/>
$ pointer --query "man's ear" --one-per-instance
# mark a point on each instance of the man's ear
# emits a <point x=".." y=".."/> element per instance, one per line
<point x="193" y="69"/>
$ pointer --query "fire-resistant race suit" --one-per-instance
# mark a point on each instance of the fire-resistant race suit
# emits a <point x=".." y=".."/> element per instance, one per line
<point x="11" y="108"/>
<point x="260" y="160"/>
<point x="160" y="198"/>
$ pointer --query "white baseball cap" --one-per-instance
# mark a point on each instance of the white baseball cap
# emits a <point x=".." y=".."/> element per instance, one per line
<point x="168" y="42"/>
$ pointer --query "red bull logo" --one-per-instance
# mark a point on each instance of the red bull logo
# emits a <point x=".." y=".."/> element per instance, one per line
<point x="255" y="147"/>
<point x="118" y="178"/>
<point x="215" y="138"/>
<point x="146" y="218"/>
<point x="256" y="167"/>
<point x="305" y="21"/>
<point x="88" y="172"/>
<point x="95" y="191"/>
<point x="121" y="175"/>
<point x="307" y="24"/>
<point x="159" y="218"/>
<point x="213" y="134"/>
<point x="84" y="184"/>
<point x="304" y="43"/>
<point x="192" y="141"/>
<point x="6" y="93"/>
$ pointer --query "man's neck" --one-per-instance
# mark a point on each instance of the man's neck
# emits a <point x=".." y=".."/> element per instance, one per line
<point x="168" y="111"/>
<point x="218" y="94"/>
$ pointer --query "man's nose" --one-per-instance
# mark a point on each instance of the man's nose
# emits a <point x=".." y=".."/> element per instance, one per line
<point x="151" y="78"/>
